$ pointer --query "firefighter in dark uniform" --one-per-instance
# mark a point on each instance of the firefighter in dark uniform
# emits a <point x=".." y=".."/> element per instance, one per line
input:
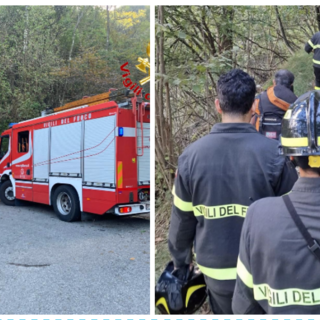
<point x="218" y="177"/>
<point x="272" y="104"/>
<point x="279" y="260"/>
<point x="314" y="45"/>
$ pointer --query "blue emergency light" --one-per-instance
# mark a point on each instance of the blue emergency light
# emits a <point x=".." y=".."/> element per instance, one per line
<point x="120" y="133"/>
<point x="12" y="124"/>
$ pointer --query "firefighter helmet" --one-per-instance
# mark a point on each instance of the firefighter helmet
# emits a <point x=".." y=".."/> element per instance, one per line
<point x="181" y="291"/>
<point x="300" y="134"/>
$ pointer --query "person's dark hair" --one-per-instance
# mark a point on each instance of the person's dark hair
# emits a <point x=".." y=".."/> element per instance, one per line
<point x="303" y="163"/>
<point x="284" y="78"/>
<point x="236" y="91"/>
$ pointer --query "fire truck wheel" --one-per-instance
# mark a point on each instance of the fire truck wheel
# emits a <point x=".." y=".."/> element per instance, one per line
<point x="66" y="204"/>
<point x="6" y="193"/>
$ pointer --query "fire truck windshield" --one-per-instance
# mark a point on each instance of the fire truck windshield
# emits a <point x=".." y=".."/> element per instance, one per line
<point x="4" y="146"/>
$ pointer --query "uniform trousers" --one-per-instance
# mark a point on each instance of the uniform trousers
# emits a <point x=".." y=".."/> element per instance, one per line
<point x="220" y="295"/>
<point x="316" y="71"/>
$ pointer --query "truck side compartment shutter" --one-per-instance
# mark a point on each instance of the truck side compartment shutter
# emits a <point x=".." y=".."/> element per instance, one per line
<point x="144" y="160"/>
<point x="99" y="152"/>
<point x="41" y="154"/>
<point x="66" y="150"/>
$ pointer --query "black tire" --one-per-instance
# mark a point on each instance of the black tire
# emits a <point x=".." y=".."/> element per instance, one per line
<point x="66" y="204"/>
<point x="6" y="193"/>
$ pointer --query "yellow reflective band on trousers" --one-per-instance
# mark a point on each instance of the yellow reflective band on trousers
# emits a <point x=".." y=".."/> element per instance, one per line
<point x="278" y="297"/>
<point x="244" y="274"/>
<point x="296" y="142"/>
<point x="317" y="88"/>
<point x="316" y="61"/>
<point x="179" y="203"/>
<point x="219" y="274"/>
<point x="286" y="297"/>
<point x="218" y="212"/>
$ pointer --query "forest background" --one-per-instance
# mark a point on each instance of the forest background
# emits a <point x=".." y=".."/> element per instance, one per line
<point x="194" y="46"/>
<point x="51" y="55"/>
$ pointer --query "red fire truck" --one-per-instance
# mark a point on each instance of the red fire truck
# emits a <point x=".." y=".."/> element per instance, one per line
<point x="92" y="155"/>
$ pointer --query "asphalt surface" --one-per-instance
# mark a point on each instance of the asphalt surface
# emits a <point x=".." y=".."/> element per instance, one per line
<point x="91" y="267"/>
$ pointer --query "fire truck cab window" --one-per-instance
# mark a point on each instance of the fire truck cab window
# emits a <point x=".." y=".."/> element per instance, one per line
<point x="4" y="146"/>
<point x="23" y="142"/>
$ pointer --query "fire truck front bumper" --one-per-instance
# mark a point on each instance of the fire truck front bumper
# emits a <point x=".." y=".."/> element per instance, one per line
<point x="130" y="209"/>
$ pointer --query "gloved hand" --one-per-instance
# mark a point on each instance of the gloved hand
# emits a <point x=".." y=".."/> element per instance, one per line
<point x="183" y="273"/>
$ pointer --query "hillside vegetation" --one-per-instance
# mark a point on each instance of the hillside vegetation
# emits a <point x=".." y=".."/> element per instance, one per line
<point x="51" y="55"/>
<point x="300" y="64"/>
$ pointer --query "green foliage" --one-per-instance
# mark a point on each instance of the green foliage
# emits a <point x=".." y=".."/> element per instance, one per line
<point x="301" y="66"/>
<point x="51" y="55"/>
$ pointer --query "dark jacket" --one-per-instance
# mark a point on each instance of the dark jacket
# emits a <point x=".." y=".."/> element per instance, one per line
<point x="218" y="177"/>
<point x="314" y="44"/>
<point x="276" y="99"/>
<point x="277" y="273"/>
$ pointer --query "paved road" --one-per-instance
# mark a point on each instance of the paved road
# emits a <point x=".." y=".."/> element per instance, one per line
<point x="52" y="267"/>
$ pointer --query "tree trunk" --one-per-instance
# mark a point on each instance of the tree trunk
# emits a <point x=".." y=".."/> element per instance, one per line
<point x="164" y="112"/>
<point x="80" y="15"/>
<point x="318" y="16"/>
<point x="25" y="36"/>
<point x="282" y="31"/>
<point x="161" y="81"/>
<point x="74" y="33"/>
<point x="108" y="28"/>
<point x="169" y="133"/>
<point x="226" y="40"/>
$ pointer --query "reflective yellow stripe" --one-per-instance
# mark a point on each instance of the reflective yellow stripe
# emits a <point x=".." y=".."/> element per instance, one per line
<point x="317" y="88"/>
<point x="218" y="212"/>
<point x="120" y="175"/>
<point x="294" y="142"/>
<point x="214" y="212"/>
<point x="311" y="44"/>
<point x="275" y="297"/>
<point x="180" y="204"/>
<point x="219" y="274"/>
<point x="316" y="61"/>
<point x="244" y="274"/>
<point x="286" y="297"/>
<point x="164" y="303"/>
<point x="191" y="290"/>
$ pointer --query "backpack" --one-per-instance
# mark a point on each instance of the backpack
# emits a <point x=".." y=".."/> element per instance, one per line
<point x="269" y="123"/>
